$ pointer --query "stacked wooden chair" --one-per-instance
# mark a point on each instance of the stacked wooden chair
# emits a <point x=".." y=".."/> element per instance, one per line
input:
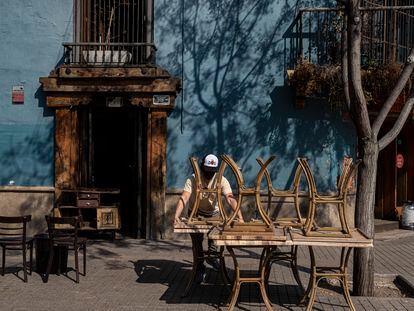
<point x="261" y="228"/>
<point x="296" y="221"/>
<point x="311" y="229"/>
<point x="339" y="199"/>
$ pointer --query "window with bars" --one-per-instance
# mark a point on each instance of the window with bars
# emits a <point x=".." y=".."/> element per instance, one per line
<point x="387" y="33"/>
<point x="112" y="33"/>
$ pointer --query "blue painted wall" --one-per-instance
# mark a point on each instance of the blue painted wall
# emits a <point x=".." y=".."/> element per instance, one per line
<point x="31" y="36"/>
<point x="235" y="101"/>
<point x="234" y="98"/>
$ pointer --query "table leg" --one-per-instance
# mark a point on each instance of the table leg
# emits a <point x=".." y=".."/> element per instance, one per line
<point x="290" y="257"/>
<point x="223" y="269"/>
<point x="319" y="273"/>
<point x="238" y="280"/>
<point x="196" y="262"/>
<point x="294" y="266"/>
<point x="344" y="281"/>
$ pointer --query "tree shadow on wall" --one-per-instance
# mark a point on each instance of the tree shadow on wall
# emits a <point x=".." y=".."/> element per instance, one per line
<point x="228" y="51"/>
<point x="315" y="132"/>
<point x="233" y="55"/>
<point x="27" y="154"/>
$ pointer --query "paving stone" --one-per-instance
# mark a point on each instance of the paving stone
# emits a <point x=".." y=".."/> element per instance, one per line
<point x="133" y="274"/>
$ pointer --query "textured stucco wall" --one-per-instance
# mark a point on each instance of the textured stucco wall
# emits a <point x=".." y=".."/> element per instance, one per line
<point x="35" y="201"/>
<point x="231" y="55"/>
<point x="31" y="36"/>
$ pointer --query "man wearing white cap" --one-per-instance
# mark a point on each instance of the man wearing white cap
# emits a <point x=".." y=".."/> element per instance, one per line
<point x="208" y="205"/>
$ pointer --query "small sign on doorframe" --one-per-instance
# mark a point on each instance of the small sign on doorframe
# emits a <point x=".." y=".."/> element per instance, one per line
<point x="161" y="100"/>
<point x="18" y="94"/>
<point x="114" y="102"/>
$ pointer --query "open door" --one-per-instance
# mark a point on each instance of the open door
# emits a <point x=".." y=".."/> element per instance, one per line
<point x="114" y="156"/>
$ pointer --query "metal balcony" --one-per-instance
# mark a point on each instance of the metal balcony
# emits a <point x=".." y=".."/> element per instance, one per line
<point x="315" y="35"/>
<point x="109" y="54"/>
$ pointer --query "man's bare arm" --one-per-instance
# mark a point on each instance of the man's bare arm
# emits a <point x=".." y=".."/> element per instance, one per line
<point x="233" y="204"/>
<point x="185" y="196"/>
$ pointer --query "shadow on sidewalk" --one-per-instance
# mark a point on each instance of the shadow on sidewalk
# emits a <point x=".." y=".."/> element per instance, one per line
<point x="212" y="292"/>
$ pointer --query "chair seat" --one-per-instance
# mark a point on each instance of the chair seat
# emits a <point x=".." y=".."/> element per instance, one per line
<point x="14" y="241"/>
<point x="68" y="241"/>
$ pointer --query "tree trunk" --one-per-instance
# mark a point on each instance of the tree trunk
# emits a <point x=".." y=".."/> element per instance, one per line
<point x="364" y="216"/>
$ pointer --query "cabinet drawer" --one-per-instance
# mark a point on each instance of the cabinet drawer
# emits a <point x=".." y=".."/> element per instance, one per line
<point x="88" y="196"/>
<point x="87" y="203"/>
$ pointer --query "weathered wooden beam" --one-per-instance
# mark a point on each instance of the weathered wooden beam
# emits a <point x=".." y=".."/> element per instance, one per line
<point x="169" y="86"/>
<point x="66" y="148"/>
<point x="158" y="158"/>
<point x="112" y="72"/>
<point x="64" y="101"/>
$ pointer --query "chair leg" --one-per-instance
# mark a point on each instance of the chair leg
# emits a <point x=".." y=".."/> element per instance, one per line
<point x="49" y="264"/>
<point x="77" y="265"/>
<point x="3" y="270"/>
<point x="31" y="257"/>
<point x="84" y="260"/>
<point x="24" y="264"/>
<point x="59" y="254"/>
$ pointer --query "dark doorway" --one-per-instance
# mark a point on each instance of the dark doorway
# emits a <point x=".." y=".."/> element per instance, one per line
<point x="395" y="175"/>
<point x="115" y="160"/>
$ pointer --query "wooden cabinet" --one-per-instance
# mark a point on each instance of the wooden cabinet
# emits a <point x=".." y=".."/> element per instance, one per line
<point x="99" y="208"/>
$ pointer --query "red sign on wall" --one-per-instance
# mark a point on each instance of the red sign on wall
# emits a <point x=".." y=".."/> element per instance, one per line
<point x="18" y="94"/>
<point x="399" y="160"/>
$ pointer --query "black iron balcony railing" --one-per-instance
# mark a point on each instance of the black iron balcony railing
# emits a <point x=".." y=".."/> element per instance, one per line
<point x="109" y="54"/>
<point x="315" y="35"/>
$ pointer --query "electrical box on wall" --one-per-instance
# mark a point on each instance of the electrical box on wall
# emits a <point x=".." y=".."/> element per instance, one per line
<point x="18" y="94"/>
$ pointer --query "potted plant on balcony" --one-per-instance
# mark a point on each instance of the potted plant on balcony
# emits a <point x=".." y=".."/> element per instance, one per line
<point x="312" y="80"/>
<point x="105" y="54"/>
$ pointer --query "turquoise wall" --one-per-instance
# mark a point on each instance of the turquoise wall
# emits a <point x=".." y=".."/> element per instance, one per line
<point x="235" y="101"/>
<point x="31" y="36"/>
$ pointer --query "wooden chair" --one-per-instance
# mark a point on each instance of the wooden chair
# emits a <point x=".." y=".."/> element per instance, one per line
<point x="276" y="254"/>
<point x="13" y="237"/>
<point x="200" y="191"/>
<point x="339" y="199"/>
<point x="297" y="220"/>
<point x="63" y="232"/>
<point x="243" y="191"/>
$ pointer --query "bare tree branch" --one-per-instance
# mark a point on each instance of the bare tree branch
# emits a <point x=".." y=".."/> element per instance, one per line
<point x="402" y="118"/>
<point x="402" y="81"/>
<point x="358" y="101"/>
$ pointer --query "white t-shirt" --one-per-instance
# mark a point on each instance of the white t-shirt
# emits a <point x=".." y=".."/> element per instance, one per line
<point x="208" y="204"/>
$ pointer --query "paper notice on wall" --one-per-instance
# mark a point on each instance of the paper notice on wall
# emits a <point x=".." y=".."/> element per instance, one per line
<point x="18" y="94"/>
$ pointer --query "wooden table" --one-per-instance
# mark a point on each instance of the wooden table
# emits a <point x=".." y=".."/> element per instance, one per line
<point x="201" y="227"/>
<point x="244" y="235"/>
<point x="357" y="240"/>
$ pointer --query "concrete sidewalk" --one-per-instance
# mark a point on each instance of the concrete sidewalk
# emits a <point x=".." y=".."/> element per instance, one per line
<point x="132" y="274"/>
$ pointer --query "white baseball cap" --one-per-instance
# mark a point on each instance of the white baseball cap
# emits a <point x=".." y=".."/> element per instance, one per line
<point x="210" y="163"/>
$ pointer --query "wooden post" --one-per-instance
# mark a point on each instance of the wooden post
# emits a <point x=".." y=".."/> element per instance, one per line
<point x="66" y="148"/>
<point x="156" y="164"/>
